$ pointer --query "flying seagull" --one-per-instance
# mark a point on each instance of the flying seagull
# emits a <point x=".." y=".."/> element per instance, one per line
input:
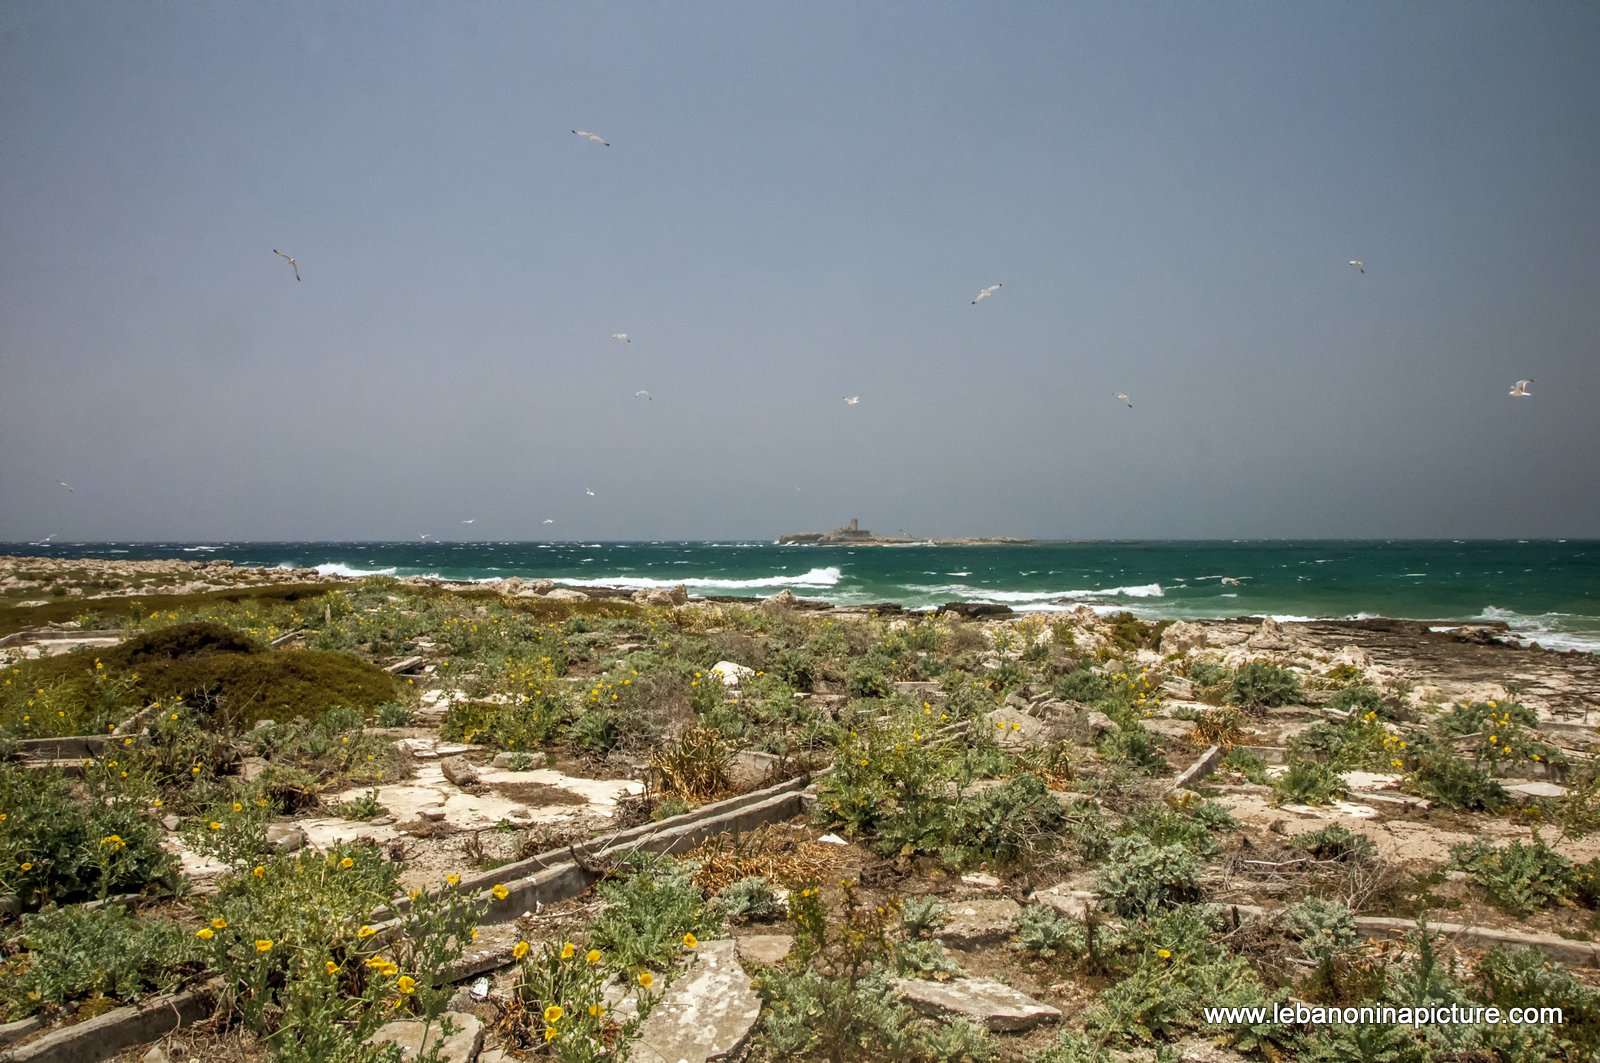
<point x="469" y="521"/>
<point x="986" y="293"/>
<point x="1125" y="399"/>
<point x="1361" y="267"/>
<point x="623" y="336"/>
<point x="642" y="394"/>
<point x="590" y="136"/>
<point x="547" y="520"/>
<point x="424" y="536"/>
<point x="46" y="539"/>
<point x="64" y="483"/>
<point x="852" y="400"/>
<point x="1521" y="388"/>
<point x="292" y="264"/>
<point x="588" y="492"/>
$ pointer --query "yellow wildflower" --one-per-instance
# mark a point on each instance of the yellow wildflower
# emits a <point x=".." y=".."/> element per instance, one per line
<point x="259" y="871"/>
<point x="330" y="967"/>
<point x="690" y="941"/>
<point x="365" y="932"/>
<point x="263" y="944"/>
<point x="553" y="1013"/>
<point x="406" y="983"/>
<point x="519" y="950"/>
<point x="593" y="956"/>
<point x="219" y="923"/>
<point x="205" y="933"/>
<point x="551" y="1033"/>
<point x="347" y="863"/>
<point x="646" y="978"/>
<point x="451" y="879"/>
<point x="500" y="892"/>
<point x="1165" y="954"/>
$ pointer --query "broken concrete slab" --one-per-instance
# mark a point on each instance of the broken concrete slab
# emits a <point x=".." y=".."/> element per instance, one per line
<point x="415" y="1037"/>
<point x="985" y="921"/>
<point x="706" y="1014"/>
<point x="993" y="1005"/>
<point x="1536" y="789"/>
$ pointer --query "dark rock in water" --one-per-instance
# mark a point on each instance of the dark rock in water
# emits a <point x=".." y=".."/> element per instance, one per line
<point x="1480" y="634"/>
<point x="973" y="610"/>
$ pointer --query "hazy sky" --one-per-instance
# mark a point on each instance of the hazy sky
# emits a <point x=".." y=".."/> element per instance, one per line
<point x="799" y="202"/>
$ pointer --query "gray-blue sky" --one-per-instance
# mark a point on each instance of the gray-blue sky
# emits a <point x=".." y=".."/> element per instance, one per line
<point x="799" y="203"/>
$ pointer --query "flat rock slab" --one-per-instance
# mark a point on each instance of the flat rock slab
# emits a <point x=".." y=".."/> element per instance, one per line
<point x="428" y="794"/>
<point x="765" y="949"/>
<point x="995" y="1006"/>
<point x="979" y="922"/>
<point x="460" y="1047"/>
<point x="1073" y="903"/>
<point x="1537" y="789"/>
<point x="706" y="1014"/>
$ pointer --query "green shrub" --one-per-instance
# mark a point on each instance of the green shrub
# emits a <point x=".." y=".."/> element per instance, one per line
<point x="1335" y="842"/>
<point x="1047" y="934"/>
<point x="749" y="898"/>
<point x="1084" y="683"/>
<point x="78" y="954"/>
<point x="1002" y="824"/>
<point x="1520" y="877"/>
<point x="921" y="916"/>
<point x="922" y="958"/>
<point x="1361" y="700"/>
<point x="1261" y="685"/>
<point x="647" y="913"/>
<point x="525" y="726"/>
<point x="1526" y="979"/>
<point x="1140" y="877"/>
<point x="1207" y="673"/>
<point x="1245" y="763"/>
<point x="1308" y="783"/>
<point x="1448" y="780"/>
<point x="60" y="843"/>
<point x="1350" y="744"/>
<point x="959" y="1042"/>
<point x="1322" y="927"/>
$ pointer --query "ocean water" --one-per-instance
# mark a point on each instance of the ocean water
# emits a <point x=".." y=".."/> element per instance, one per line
<point x="1546" y="591"/>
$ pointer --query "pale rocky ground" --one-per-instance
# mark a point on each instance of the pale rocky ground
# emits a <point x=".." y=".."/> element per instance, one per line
<point x="709" y="1010"/>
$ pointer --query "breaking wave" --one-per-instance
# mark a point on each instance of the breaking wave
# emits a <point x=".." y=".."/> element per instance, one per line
<point x="817" y="577"/>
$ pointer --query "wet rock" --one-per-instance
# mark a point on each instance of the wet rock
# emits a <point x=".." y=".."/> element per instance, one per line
<point x="706" y="1014"/>
<point x="993" y="1005"/>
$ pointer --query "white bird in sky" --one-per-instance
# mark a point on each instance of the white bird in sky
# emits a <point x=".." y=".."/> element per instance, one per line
<point x="590" y="136"/>
<point x="1521" y="388"/>
<point x="64" y="483"/>
<point x="588" y="492"/>
<point x="424" y="536"/>
<point x="852" y="400"/>
<point x="46" y="539"/>
<point x="986" y="293"/>
<point x="623" y="336"/>
<point x="547" y="520"/>
<point x="1361" y="267"/>
<point x="469" y="520"/>
<point x="1125" y="399"/>
<point x="292" y="264"/>
<point x="642" y="394"/>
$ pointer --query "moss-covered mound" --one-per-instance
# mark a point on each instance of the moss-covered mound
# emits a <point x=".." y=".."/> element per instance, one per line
<point x="216" y="669"/>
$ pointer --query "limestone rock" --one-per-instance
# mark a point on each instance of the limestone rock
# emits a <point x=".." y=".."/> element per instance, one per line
<point x="157" y="1054"/>
<point x="460" y="771"/>
<point x="460" y="1047"/>
<point x="993" y="1005"/>
<point x="784" y="598"/>
<point x="1096" y="724"/>
<point x="1183" y="637"/>
<point x="1073" y="903"/>
<point x="979" y="922"/>
<point x="658" y="596"/>
<point x="1015" y="729"/>
<point x="765" y="949"/>
<point x="706" y="1014"/>
<point x="285" y="837"/>
<point x="1269" y="636"/>
<point x="566" y="594"/>
<point x="731" y="673"/>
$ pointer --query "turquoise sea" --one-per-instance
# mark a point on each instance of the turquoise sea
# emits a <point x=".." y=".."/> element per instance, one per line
<point x="1546" y="591"/>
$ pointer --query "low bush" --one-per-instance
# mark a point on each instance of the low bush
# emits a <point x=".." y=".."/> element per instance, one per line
<point x="648" y="910"/>
<point x="1308" y="783"/>
<point x="1448" y="780"/>
<point x="1140" y="877"/>
<point x="1261" y="685"/>
<point x="78" y="954"/>
<point x="1520" y="877"/>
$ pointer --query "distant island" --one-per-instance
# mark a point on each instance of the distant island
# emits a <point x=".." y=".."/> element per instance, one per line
<point x="853" y="534"/>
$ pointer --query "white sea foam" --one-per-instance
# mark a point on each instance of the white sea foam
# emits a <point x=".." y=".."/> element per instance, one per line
<point x="817" y="577"/>
<point x="334" y="568"/>
<point x="985" y="594"/>
<point x="1547" y="629"/>
<point x="199" y="549"/>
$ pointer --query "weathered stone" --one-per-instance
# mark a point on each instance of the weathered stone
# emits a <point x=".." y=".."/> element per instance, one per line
<point x="1072" y="903"/>
<point x="993" y="1005"/>
<point x="566" y="594"/>
<point x="251" y="769"/>
<point x="766" y="949"/>
<point x="706" y="1014"/>
<point x="751" y="767"/>
<point x="1537" y="789"/>
<point x="460" y="771"/>
<point x="1183" y="637"/>
<point x="655" y="596"/>
<point x="731" y="673"/>
<point x="16" y="1031"/>
<point x="285" y="837"/>
<point x="414" y="1037"/>
<point x="979" y="922"/>
<point x="1169" y="728"/>
<point x="1096" y="724"/>
<point x="784" y="599"/>
<point x="157" y="1054"/>
<point x="1015" y="729"/>
<point x="172" y="823"/>
<point x="981" y="881"/>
